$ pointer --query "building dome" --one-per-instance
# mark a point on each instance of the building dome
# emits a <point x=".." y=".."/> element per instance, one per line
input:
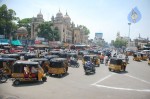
<point x="66" y="17"/>
<point x="22" y="30"/>
<point x="59" y="14"/>
<point x="40" y="15"/>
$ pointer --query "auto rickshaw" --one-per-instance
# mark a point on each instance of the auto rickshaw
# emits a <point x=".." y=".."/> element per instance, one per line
<point x="30" y="55"/>
<point x="63" y="55"/>
<point x="93" y="58"/>
<point x="58" y="66"/>
<point x="27" y="71"/>
<point x="49" y="57"/>
<point x="129" y="52"/>
<point x="55" y="53"/>
<point x="149" y="61"/>
<point x="137" y="57"/>
<point x="16" y="56"/>
<point x="73" y="59"/>
<point x="144" y="56"/>
<point x="6" y="65"/>
<point x="75" y="55"/>
<point x="44" y="63"/>
<point x="117" y="64"/>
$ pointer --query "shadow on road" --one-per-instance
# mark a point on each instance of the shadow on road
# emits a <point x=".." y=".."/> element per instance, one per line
<point x="59" y="75"/>
<point x="28" y="83"/>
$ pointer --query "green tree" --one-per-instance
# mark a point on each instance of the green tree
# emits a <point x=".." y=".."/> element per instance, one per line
<point x="7" y="18"/>
<point x="85" y="29"/>
<point x="47" y="31"/>
<point x="119" y="43"/>
<point x="26" y="22"/>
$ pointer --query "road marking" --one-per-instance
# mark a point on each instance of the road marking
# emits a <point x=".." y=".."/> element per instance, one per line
<point x="102" y="79"/>
<point x="138" y="79"/>
<point x="119" y="88"/>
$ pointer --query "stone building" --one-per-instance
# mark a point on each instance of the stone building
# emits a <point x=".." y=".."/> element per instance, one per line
<point x="21" y="33"/>
<point x="35" y="23"/>
<point x="68" y="32"/>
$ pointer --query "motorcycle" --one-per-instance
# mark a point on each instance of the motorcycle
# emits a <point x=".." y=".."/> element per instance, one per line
<point x="89" y="68"/>
<point x="74" y="63"/>
<point x="3" y="77"/>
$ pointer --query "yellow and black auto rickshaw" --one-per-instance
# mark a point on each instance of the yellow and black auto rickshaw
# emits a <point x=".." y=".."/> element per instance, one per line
<point x="6" y="65"/>
<point x="117" y="64"/>
<point x="58" y="66"/>
<point x="93" y="58"/>
<point x="149" y="61"/>
<point x="137" y="57"/>
<point x="30" y="55"/>
<point x="27" y="71"/>
<point x="144" y="56"/>
<point x="44" y="63"/>
<point x="129" y="52"/>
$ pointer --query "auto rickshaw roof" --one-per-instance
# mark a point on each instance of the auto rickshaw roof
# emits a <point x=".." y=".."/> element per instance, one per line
<point x="115" y="58"/>
<point x="90" y="55"/>
<point x="50" y="56"/>
<point x="30" y="54"/>
<point x="72" y="54"/>
<point x="26" y="62"/>
<point x="7" y="59"/>
<point x="58" y="59"/>
<point x="38" y="59"/>
<point x="10" y="55"/>
<point x="55" y="51"/>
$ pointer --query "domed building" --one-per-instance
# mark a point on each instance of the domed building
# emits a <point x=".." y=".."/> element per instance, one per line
<point x="68" y="32"/>
<point x="21" y="33"/>
<point x="36" y="21"/>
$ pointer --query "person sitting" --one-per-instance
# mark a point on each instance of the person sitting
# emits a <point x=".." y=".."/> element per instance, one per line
<point x="34" y="71"/>
<point x="26" y="71"/>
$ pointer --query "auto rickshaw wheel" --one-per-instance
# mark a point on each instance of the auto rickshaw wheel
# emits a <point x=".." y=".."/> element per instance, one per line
<point x="16" y="82"/>
<point x="50" y="74"/>
<point x="59" y="75"/>
<point x="44" y="79"/>
<point x="109" y="69"/>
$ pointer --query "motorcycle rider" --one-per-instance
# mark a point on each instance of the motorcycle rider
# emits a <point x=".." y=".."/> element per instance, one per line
<point x="89" y="65"/>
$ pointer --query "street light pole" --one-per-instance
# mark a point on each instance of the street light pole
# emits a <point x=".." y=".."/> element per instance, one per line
<point x="129" y="29"/>
<point x="129" y="34"/>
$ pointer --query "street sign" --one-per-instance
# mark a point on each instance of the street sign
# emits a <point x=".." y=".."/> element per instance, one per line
<point x="134" y="16"/>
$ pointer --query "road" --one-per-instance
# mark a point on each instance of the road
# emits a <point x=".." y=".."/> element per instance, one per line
<point x="133" y="84"/>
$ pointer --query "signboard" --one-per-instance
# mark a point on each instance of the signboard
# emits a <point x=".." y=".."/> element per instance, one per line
<point x="2" y="36"/>
<point x="134" y="16"/>
<point x="99" y="35"/>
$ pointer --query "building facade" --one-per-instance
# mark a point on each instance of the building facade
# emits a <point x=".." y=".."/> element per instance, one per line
<point x="68" y="32"/>
<point x="36" y="21"/>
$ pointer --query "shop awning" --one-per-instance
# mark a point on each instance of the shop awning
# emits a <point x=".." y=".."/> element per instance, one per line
<point x="4" y="42"/>
<point x="16" y="43"/>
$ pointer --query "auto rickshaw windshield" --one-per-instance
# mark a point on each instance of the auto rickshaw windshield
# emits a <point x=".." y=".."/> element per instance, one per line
<point x="86" y="58"/>
<point x="116" y="62"/>
<point x="56" y="64"/>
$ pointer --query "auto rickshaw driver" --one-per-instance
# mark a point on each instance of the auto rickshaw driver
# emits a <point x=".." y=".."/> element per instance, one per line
<point x="26" y="71"/>
<point x="34" y="72"/>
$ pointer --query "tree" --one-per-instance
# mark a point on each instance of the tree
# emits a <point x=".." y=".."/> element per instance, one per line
<point x="26" y="22"/>
<point x="46" y="31"/>
<point x="85" y="29"/>
<point x="119" y="43"/>
<point x="7" y="16"/>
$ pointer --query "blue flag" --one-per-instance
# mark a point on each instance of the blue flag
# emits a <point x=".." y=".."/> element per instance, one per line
<point x="134" y="16"/>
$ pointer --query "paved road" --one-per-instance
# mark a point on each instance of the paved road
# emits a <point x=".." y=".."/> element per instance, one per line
<point x="133" y="84"/>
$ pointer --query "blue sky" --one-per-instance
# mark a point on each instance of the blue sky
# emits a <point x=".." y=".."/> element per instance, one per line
<point x="105" y="16"/>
